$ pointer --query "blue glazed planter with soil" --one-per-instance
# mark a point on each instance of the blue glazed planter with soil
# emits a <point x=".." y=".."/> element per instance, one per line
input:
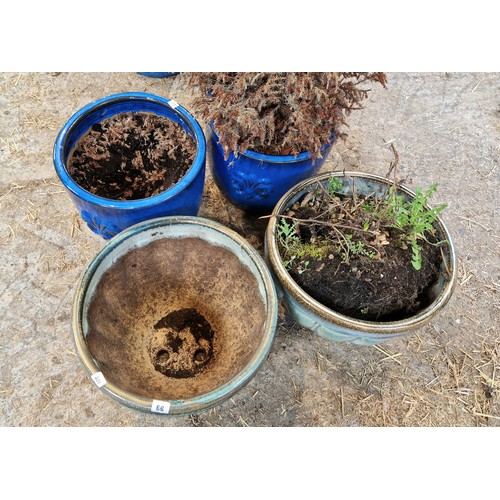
<point x="255" y="182"/>
<point x="107" y="217"/>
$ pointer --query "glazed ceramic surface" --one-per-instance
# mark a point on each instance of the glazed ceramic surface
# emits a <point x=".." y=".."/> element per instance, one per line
<point x="180" y="228"/>
<point x="157" y="74"/>
<point x="108" y="217"/>
<point x="255" y="182"/>
<point x="331" y="325"/>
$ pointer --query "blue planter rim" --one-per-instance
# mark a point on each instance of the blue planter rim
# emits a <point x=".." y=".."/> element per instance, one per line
<point x="190" y="175"/>
<point x="279" y="159"/>
<point x="158" y="74"/>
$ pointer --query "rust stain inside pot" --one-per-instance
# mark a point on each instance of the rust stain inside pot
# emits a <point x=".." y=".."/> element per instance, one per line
<point x="175" y="319"/>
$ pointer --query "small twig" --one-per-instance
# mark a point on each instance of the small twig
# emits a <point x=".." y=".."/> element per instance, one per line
<point x="394" y="164"/>
<point x="342" y="402"/>
<point x="475" y="222"/>
<point x="326" y="191"/>
<point x="445" y="262"/>
<point x="325" y="223"/>
<point x="477" y="414"/>
<point x="393" y="168"/>
<point x="391" y="356"/>
<point x="342" y="238"/>
<point x="354" y="193"/>
<point x="477" y="85"/>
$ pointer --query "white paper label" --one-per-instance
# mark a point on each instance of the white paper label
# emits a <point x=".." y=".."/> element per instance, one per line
<point x="98" y="379"/>
<point x="173" y="104"/>
<point x="160" y="406"/>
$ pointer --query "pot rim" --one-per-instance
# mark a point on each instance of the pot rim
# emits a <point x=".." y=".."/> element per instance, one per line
<point x="276" y="159"/>
<point x="374" y="327"/>
<point x="76" y="118"/>
<point x="158" y="74"/>
<point x="209" y="399"/>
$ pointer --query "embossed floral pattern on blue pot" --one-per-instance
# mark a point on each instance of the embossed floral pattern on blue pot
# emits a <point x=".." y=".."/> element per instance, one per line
<point x="108" y="217"/>
<point x="254" y="181"/>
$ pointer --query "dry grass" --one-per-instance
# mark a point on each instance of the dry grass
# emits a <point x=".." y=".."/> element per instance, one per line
<point x="446" y="374"/>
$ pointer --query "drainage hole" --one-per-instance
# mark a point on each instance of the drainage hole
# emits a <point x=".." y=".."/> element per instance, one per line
<point x="162" y="356"/>
<point x="200" y="356"/>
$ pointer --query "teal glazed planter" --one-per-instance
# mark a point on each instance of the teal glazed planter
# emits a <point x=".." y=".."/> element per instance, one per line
<point x="254" y="181"/>
<point x="164" y="265"/>
<point x="328" y="323"/>
<point x="107" y="217"/>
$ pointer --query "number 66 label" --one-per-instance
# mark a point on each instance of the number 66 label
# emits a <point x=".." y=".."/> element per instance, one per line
<point x="160" y="406"/>
<point x="98" y="379"/>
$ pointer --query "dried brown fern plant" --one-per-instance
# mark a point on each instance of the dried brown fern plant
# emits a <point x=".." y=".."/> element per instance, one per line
<point x="279" y="113"/>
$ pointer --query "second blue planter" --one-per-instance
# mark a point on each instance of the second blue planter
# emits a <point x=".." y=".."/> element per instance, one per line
<point x="254" y="181"/>
<point x="108" y="217"/>
<point x="158" y="74"/>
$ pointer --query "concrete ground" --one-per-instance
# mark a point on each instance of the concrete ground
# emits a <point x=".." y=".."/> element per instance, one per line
<point x="445" y="127"/>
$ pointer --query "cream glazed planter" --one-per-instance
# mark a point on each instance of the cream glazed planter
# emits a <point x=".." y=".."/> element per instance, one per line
<point x="328" y="323"/>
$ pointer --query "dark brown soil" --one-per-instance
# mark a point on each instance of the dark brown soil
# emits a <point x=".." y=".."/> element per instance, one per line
<point x="131" y="156"/>
<point x="381" y="287"/>
<point x="184" y="345"/>
<point x="369" y="289"/>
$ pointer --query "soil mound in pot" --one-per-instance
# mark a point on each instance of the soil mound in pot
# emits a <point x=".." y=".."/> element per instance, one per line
<point x="131" y="156"/>
<point x="354" y="266"/>
<point x="175" y="319"/>
<point x="369" y="289"/>
<point x="183" y="344"/>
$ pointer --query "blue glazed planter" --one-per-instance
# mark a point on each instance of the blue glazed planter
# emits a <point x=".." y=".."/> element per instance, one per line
<point x="255" y="182"/>
<point x="328" y="323"/>
<point x="108" y="217"/>
<point x="158" y="75"/>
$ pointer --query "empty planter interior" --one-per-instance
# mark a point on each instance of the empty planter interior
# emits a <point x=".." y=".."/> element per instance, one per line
<point x="179" y="310"/>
